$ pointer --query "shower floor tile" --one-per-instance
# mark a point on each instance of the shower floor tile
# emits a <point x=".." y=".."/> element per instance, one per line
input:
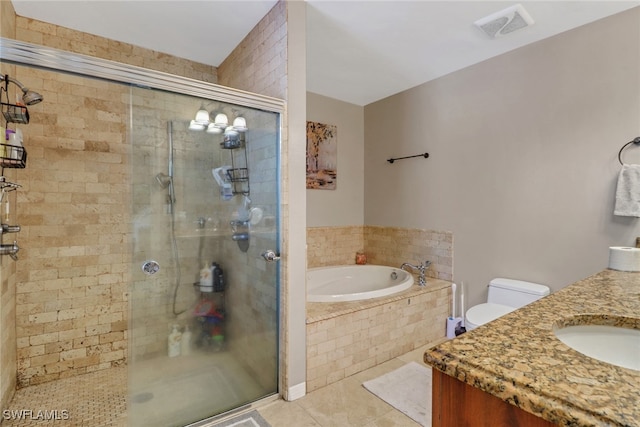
<point x="163" y="392"/>
<point x="176" y="391"/>
<point x="88" y="400"/>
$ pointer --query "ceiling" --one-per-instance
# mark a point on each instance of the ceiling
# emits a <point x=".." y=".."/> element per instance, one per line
<point x="358" y="51"/>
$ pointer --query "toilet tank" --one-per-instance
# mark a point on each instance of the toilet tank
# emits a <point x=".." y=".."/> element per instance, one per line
<point x="515" y="293"/>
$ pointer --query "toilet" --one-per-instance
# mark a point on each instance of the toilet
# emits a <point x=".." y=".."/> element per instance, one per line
<point x="505" y="296"/>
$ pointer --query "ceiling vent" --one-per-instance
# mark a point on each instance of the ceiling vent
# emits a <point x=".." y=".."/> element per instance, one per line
<point x="506" y="21"/>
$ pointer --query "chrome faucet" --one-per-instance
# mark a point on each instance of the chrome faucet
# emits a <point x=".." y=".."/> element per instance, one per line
<point x="10" y="249"/>
<point x="421" y="268"/>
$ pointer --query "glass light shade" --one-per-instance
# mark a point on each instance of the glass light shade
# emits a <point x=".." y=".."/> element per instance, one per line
<point x="230" y="131"/>
<point x="202" y="116"/>
<point x="221" y="120"/>
<point x="240" y="124"/>
<point x="212" y="128"/>
<point x="193" y="125"/>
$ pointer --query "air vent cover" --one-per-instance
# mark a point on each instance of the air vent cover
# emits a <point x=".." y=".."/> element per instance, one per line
<point x="504" y="22"/>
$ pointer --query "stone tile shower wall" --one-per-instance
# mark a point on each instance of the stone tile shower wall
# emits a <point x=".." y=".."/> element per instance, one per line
<point x="391" y="246"/>
<point x="7" y="266"/>
<point x="71" y="308"/>
<point x="72" y="278"/>
<point x="79" y="181"/>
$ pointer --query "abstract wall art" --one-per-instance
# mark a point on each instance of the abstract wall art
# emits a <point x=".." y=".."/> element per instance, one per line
<point x="322" y="156"/>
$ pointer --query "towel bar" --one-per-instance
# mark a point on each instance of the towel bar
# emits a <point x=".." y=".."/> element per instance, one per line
<point x="425" y="155"/>
<point x="636" y="141"/>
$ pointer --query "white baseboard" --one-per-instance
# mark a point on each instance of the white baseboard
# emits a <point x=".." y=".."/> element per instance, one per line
<point x="297" y="391"/>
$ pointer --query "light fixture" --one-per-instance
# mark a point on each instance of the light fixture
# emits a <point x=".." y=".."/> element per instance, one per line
<point x="220" y="123"/>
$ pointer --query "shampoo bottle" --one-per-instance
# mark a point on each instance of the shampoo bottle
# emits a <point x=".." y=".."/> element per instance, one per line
<point x="206" y="280"/>
<point x="175" y="338"/>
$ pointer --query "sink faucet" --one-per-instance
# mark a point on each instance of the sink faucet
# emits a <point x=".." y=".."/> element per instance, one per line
<point x="421" y="268"/>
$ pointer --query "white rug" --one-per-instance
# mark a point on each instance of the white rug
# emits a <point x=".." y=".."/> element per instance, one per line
<point x="408" y="389"/>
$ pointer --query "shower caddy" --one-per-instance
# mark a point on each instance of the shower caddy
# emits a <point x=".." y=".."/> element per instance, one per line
<point x="209" y="313"/>
<point x="11" y="156"/>
<point x="238" y="174"/>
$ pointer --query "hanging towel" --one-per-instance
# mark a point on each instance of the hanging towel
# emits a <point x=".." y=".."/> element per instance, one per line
<point x="628" y="191"/>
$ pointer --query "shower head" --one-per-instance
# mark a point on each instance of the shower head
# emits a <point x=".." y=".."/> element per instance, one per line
<point x="29" y="97"/>
<point x="163" y="179"/>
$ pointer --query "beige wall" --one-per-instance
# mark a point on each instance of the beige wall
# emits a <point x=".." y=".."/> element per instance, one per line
<point x="523" y="156"/>
<point x="344" y="205"/>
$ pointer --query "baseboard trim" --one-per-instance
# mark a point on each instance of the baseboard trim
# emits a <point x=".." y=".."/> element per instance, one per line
<point x="296" y="392"/>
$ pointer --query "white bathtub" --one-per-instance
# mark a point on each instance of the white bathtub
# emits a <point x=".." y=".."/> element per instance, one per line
<point x="355" y="282"/>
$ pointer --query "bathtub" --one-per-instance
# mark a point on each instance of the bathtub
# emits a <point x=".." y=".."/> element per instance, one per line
<point x="355" y="282"/>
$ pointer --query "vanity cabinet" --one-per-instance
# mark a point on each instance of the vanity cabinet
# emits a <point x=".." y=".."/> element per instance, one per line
<point x="456" y="404"/>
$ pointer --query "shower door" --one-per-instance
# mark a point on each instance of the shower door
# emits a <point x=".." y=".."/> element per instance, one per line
<point x="204" y="300"/>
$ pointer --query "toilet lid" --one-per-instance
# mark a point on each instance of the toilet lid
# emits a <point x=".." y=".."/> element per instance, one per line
<point x="485" y="313"/>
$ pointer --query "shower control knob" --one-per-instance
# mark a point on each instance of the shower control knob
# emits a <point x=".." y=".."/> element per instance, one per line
<point x="150" y="267"/>
<point x="270" y="256"/>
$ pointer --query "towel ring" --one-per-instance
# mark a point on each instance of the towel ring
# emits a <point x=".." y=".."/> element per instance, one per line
<point x="636" y="141"/>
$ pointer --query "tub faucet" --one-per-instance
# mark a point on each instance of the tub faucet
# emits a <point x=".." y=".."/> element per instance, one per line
<point x="421" y="268"/>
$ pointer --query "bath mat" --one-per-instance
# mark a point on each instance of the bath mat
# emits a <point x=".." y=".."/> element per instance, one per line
<point x="250" y="419"/>
<point x="408" y="389"/>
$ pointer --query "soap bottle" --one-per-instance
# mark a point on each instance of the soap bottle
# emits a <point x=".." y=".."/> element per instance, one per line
<point x="218" y="277"/>
<point x="185" y="343"/>
<point x="206" y="279"/>
<point x="175" y="338"/>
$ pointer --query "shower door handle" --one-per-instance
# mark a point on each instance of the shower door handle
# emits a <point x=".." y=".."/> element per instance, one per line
<point x="270" y="256"/>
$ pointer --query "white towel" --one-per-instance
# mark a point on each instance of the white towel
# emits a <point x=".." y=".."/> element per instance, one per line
<point x="628" y="191"/>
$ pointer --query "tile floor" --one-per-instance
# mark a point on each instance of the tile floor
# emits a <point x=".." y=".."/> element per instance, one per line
<point x="345" y="403"/>
<point x="99" y="400"/>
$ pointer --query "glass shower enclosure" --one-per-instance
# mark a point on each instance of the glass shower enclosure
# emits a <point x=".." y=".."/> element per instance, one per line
<point x="196" y="247"/>
<point x="204" y="296"/>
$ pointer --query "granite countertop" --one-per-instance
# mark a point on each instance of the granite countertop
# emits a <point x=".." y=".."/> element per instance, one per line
<point x="518" y="358"/>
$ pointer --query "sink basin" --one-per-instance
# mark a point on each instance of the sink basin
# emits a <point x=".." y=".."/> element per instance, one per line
<point x="611" y="344"/>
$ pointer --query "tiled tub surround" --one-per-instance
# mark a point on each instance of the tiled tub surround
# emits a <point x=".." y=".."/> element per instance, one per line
<point x="348" y="337"/>
<point x="518" y="359"/>
<point x="328" y="246"/>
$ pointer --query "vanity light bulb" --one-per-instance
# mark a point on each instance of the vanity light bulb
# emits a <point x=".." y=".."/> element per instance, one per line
<point x="202" y="117"/>
<point x="221" y="120"/>
<point x="240" y="124"/>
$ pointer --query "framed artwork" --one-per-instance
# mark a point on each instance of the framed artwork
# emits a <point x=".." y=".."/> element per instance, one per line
<point x="322" y="156"/>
